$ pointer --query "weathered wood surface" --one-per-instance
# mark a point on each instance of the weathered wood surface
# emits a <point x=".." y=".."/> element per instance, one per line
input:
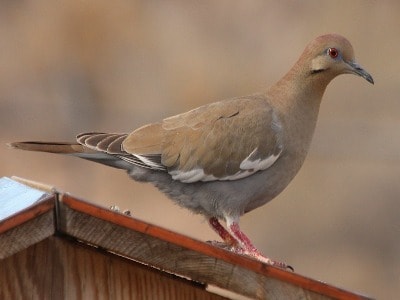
<point x="114" y="233"/>
<point x="27" y="216"/>
<point x="182" y="255"/>
<point x="60" y="269"/>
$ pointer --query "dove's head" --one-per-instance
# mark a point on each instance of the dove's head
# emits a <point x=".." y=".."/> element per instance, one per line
<point x="331" y="55"/>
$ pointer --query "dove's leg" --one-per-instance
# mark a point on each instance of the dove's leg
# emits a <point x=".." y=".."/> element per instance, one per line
<point x="222" y="232"/>
<point x="246" y="247"/>
<point x="236" y="241"/>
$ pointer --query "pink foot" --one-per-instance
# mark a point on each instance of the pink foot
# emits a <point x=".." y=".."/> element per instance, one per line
<point x="247" y="247"/>
<point x="236" y="241"/>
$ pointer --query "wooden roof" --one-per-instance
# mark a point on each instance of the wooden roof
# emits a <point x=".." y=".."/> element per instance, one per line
<point x="29" y="215"/>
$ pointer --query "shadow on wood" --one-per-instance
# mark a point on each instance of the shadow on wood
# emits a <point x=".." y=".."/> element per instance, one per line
<point x="60" y="247"/>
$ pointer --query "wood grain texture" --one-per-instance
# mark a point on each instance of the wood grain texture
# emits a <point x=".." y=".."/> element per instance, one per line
<point x="96" y="251"/>
<point x="59" y="269"/>
<point x="182" y="255"/>
<point x="28" y="227"/>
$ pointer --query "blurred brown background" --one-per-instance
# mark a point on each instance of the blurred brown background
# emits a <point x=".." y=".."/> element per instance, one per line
<point x="73" y="66"/>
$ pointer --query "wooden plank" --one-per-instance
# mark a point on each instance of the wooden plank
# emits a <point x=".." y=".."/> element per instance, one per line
<point x="59" y="269"/>
<point x="27" y="234"/>
<point x="182" y="255"/>
<point x="41" y="215"/>
<point x="30" y="213"/>
<point x="29" y="226"/>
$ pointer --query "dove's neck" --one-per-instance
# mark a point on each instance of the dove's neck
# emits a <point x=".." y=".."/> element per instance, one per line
<point x="300" y="88"/>
<point x="297" y="98"/>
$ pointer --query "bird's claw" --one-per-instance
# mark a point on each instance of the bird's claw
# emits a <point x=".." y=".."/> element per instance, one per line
<point x="257" y="256"/>
<point x="268" y="261"/>
<point x="282" y="265"/>
<point x="221" y="245"/>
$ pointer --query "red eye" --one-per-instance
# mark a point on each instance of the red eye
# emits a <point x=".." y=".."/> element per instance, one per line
<point x="333" y="52"/>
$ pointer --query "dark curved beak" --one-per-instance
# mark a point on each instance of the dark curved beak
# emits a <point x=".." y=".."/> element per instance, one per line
<point x="358" y="70"/>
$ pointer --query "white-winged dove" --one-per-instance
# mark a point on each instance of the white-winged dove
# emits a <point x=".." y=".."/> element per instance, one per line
<point x="227" y="158"/>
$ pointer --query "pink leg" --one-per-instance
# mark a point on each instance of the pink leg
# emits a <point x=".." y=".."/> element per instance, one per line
<point x="239" y="242"/>
<point x="246" y="247"/>
<point x="244" y="241"/>
<point x="222" y="232"/>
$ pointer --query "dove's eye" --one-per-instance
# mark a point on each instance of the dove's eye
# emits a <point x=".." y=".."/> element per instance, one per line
<point x="333" y="52"/>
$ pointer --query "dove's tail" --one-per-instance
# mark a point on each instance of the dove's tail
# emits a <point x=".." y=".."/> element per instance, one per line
<point x="60" y="148"/>
<point x="73" y="149"/>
